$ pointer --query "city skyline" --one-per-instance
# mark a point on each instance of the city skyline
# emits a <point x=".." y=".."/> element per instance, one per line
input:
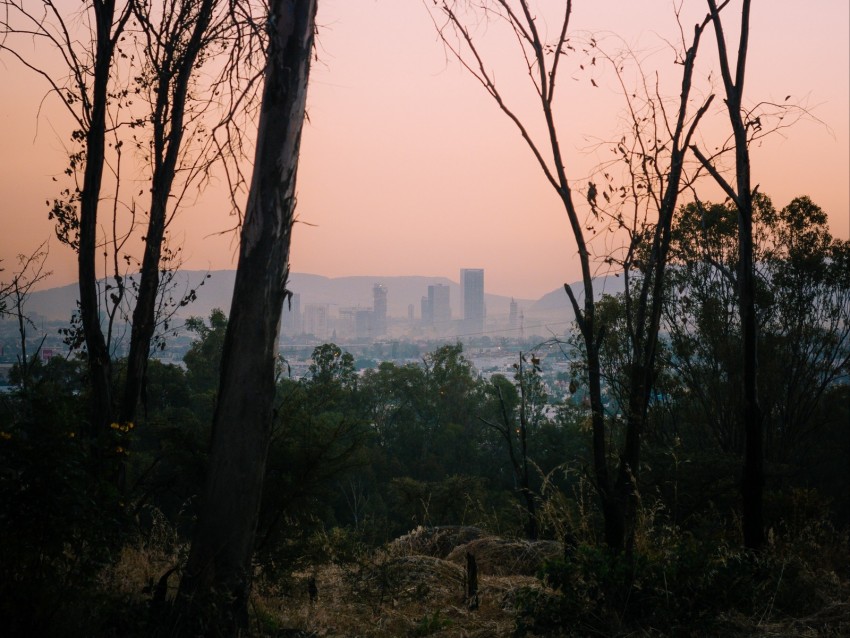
<point x="436" y="315"/>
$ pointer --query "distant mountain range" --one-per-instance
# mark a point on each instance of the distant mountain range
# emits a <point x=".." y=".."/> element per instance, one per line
<point x="56" y="304"/>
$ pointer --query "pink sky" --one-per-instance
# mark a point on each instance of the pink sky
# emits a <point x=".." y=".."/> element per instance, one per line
<point x="408" y="168"/>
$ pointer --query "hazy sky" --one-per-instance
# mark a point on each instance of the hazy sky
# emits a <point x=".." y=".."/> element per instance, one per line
<point x="408" y="167"/>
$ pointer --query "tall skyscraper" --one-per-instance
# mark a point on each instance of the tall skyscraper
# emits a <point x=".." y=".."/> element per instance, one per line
<point x="425" y="309"/>
<point x="472" y="295"/>
<point x="439" y="300"/>
<point x="379" y="310"/>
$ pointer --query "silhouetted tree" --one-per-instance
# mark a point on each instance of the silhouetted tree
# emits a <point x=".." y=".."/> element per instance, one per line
<point x="654" y="156"/>
<point x="217" y="579"/>
<point x="516" y="426"/>
<point x="176" y="37"/>
<point x="752" y="482"/>
<point x="13" y="298"/>
<point x="85" y="90"/>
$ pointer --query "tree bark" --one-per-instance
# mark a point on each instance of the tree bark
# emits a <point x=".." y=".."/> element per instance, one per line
<point x="217" y="579"/>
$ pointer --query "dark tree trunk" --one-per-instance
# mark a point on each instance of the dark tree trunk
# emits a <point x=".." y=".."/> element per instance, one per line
<point x="99" y="361"/>
<point x="173" y="86"/>
<point x="217" y="579"/>
<point x="752" y="481"/>
<point x="613" y="512"/>
<point x="644" y="333"/>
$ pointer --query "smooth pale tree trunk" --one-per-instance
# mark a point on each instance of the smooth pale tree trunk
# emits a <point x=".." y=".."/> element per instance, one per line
<point x="217" y="580"/>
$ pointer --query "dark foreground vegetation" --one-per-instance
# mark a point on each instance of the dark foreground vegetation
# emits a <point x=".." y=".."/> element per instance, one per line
<point x="380" y="486"/>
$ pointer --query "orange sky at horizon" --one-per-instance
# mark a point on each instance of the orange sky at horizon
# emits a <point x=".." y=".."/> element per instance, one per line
<point x="408" y="168"/>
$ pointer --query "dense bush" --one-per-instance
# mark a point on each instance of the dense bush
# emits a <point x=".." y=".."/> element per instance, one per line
<point x="61" y="515"/>
<point x="682" y="585"/>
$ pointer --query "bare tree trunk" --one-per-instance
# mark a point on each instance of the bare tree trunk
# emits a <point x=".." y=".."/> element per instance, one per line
<point x="644" y="331"/>
<point x="99" y="361"/>
<point x="752" y="482"/>
<point x="217" y="579"/>
<point x="543" y="57"/>
<point x="174" y="74"/>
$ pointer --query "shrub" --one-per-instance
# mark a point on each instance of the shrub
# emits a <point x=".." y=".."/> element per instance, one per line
<point x="61" y="519"/>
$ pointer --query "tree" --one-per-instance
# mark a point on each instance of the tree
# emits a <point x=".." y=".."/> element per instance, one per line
<point x="203" y="359"/>
<point x="752" y="482"/>
<point x="451" y="420"/>
<point x="135" y="70"/>
<point x="317" y="434"/>
<point x="85" y="92"/>
<point x="30" y="272"/>
<point x="654" y="155"/>
<point x="802" y="305"/>
<point x="398" y="410"/>
<point x="217" y="578"/>
<point x="332" y="366"/>
<point x="517" y="426"/>
<point x="174" y="49"/>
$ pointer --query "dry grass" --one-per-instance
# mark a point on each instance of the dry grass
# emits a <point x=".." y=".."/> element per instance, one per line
<point x="394" y="597"/>
<point x="506" y="557"/>
<point x="434" y="541"/>
<point x="416" y="586"/>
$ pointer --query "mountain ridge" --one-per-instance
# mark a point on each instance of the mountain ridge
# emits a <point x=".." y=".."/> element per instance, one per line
<point x="214" y="290"/>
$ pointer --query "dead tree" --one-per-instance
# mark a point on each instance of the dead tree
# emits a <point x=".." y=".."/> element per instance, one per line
<point x="13" y="298"/>
<point x="174" y="46"/>
<point x="669" y="140"/>
<point x="752" y="481"/>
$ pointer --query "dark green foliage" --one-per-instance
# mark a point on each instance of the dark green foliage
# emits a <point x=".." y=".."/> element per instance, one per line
<point x="61" y="518"/>
<point x="317" y="441"/>
<point x="803" y="309"/>
<point x="683" y="586"/>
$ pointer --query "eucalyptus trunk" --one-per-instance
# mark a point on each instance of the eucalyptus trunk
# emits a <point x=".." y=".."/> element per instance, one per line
<point x="217" y="580"/>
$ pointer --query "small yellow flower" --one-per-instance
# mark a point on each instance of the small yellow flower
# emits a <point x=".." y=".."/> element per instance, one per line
<point x="71" y="435"/>
<point x="5" y="436"/>
<point x="119" y="450"/>
<point x="115" y="426"/>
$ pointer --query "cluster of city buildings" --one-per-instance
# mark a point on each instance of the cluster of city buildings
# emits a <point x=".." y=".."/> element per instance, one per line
<point x="435" y="319"/>
<point x="315" y="319"/>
